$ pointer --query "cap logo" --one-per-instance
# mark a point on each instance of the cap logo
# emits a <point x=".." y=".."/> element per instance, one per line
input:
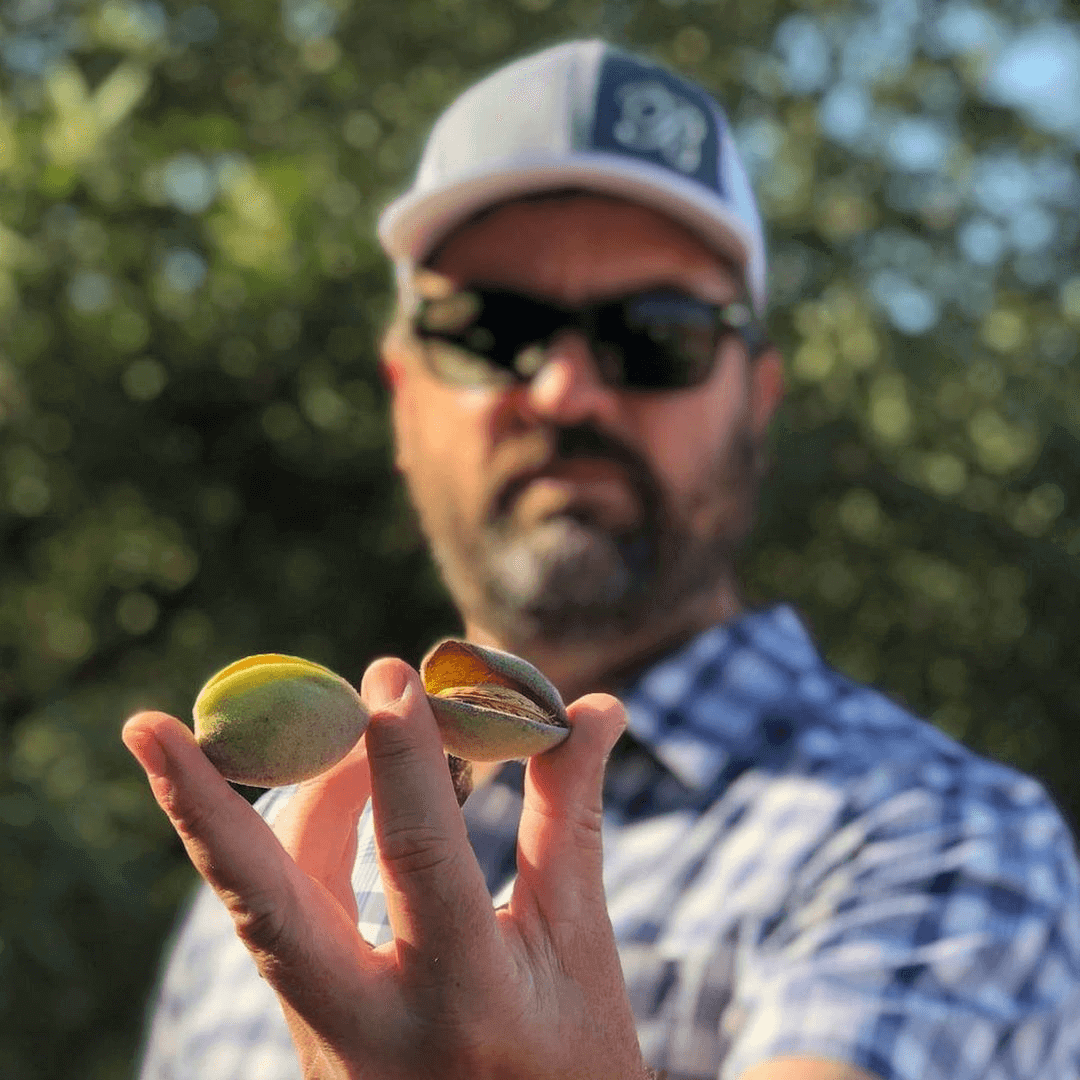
<point x="654" y="120"/>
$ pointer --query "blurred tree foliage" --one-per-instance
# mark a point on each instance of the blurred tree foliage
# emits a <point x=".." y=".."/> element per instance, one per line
<point x="194" y="461"/>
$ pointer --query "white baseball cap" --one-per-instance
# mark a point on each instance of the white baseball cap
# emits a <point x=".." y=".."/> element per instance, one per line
<point x="582" y="115"/>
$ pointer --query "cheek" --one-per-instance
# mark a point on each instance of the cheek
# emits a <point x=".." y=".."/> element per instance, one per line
<point x="440" y="437"/>
<point x="686" y="438"/>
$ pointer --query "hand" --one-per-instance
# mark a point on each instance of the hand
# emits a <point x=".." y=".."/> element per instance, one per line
<point x="533" y="989"/>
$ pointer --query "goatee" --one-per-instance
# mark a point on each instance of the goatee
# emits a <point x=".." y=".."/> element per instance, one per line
<point x="569" y="578"/>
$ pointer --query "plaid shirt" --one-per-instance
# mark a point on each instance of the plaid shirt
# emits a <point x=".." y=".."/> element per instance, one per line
<point x="795" y="866"/>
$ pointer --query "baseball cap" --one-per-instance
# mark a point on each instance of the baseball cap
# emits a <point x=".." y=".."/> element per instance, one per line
<point x="582" y="115"/>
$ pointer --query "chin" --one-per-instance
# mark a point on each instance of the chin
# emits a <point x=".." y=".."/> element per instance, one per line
<point x="561" y="575"/>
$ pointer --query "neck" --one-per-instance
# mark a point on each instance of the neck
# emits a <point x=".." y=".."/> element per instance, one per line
<point x="607" y="664"/>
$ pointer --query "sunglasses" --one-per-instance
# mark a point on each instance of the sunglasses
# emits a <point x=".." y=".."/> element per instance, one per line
<point x="660" y="339"/>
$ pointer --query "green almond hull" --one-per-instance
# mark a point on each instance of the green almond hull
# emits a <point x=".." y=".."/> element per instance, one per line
<point x="282" y="731"/>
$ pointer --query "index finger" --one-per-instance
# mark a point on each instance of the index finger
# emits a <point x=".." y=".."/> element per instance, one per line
<point x="436" y="897"/>
<point x="230" y="845"/>
<point x="293" y="928"/>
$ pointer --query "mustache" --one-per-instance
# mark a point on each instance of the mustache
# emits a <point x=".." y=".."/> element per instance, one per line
<point x="537" y="454"/>
<point x="588" y="441"/>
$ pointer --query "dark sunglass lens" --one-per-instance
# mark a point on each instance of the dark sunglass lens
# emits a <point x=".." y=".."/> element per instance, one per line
<point x="670" y="340"/>
<point x="459" y="343"/>
<point x="487" y="336"/>
<point x="448" y="316"/>
<point x="611" y="362"/>
<point x="665" y="308"/>
<point x="519" y="321"/>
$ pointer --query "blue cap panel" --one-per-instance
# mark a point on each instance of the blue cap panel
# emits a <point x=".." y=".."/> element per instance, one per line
<point x="647" y="112"/>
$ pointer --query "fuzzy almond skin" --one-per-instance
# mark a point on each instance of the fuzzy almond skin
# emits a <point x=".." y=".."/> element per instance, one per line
<point x="272" y="720"/>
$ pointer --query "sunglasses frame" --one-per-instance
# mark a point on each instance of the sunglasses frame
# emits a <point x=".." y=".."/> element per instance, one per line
<point x="735" y="317"/>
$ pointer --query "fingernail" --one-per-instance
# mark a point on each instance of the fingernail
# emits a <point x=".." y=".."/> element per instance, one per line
<point x="385" y="683"/>
<point x="147" y="752"/>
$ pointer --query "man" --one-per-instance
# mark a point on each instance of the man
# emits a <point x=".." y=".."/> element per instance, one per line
<point x="799" y="880"/>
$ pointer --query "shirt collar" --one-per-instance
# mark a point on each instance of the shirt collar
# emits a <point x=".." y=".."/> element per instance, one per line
<point x="694" y="708"/>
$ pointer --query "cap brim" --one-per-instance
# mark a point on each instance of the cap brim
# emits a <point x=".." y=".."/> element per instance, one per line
<point x="411" y="227"/>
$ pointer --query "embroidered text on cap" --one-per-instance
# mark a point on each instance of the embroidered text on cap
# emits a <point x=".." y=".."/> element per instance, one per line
<point x="653" y="118"/>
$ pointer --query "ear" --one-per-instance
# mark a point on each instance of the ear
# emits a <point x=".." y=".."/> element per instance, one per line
<point x="766" y="387"/>
<point x="392" y="365"/>
<point x="390" y="371"/>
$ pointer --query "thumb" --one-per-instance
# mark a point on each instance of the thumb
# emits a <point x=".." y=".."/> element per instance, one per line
<point x="560" y="857"/>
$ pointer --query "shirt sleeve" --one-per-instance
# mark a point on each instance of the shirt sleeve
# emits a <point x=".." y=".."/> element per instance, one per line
<point x="934" y="936"/>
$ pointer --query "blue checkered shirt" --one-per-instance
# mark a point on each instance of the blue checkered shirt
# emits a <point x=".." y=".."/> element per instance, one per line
<point x="795" y="866"/>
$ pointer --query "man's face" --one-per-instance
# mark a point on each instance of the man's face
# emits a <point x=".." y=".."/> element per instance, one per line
<point x="563" y="509"/>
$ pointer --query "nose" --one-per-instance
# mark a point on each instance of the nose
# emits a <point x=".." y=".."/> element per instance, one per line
<point x="567" y="388"/>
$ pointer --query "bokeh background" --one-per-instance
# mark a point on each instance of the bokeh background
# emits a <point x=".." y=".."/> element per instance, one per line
<point x="194" y="460"/>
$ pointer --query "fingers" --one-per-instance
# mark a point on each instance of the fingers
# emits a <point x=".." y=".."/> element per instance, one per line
<point x="317" y="827"/>
<point x="230" y="845"/>
<point x="295" y="931"/>
<point x="436" y="897"/>
<point x="560" y="858"/>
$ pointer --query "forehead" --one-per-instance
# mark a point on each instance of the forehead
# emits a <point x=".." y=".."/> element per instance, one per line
<point x="576" y="246"/>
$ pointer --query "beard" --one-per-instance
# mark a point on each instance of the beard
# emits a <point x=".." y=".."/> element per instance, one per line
<point x="572" y="577"/>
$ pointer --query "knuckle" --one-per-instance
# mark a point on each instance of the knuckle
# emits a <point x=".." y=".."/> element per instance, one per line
<point x="263" y="923"/>
<point x="193" y="819"/>
<point x="581" y="822"/>
<point x="585" y="824"/>
<point x="390" y="739"/>
<point x="415" y="849"/>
